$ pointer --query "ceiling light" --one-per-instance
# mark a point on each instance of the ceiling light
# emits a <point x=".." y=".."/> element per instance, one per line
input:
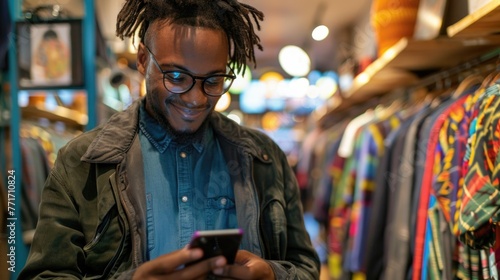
<point x="271" y="76"/>
<point x="320" y="32"/>
<point x="294" y="61"/>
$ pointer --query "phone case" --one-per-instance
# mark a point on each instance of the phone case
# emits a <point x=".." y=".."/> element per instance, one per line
<point x="218" y="242"/>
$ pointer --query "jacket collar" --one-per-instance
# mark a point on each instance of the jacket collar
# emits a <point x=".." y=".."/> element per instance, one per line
<point x="239" y="136"/>
<point x="116" y="136"/>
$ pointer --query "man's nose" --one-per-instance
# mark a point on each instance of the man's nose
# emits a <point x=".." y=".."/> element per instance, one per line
<point x="195" y="96"/>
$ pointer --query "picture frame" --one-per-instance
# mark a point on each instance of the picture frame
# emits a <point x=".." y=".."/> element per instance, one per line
<point x="49" y="54"/>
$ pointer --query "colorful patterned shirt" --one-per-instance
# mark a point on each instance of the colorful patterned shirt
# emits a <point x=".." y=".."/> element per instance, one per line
<point x="481" y="199"/>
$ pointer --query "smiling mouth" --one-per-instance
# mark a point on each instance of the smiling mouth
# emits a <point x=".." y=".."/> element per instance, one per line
<point x="188" y="113"/>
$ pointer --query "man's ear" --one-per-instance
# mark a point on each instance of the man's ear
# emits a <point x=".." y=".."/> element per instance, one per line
<point x="142" y="57"/>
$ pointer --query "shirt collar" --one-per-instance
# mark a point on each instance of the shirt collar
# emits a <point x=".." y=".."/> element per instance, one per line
<point x="160" y="138"/>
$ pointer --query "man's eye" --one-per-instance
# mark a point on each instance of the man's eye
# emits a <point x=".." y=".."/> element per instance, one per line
<point x="216" y="80"/>
<point x="176" y="76"/>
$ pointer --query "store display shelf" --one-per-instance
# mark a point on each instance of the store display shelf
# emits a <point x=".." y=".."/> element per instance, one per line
<point x="483" y="22"/>
<point x="398" y="66"/>
<point x="67" y="116"/>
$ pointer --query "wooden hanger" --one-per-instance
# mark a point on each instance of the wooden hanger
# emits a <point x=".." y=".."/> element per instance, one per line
<point x="467" y="83"/>
<point x="495" y="77"/>
<point x="416" y="100"/>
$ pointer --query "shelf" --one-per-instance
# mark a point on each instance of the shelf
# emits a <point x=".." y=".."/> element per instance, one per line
<point x="404" y="64"/>
<point x="61" y="114"/>
<point x="483" y="22"/>
<point x="399" y="65"/>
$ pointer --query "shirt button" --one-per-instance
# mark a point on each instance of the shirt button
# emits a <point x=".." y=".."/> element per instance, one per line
<point x="184" y="199"/>
<point x="223" y="201"/>
<point x="183" y="155"/>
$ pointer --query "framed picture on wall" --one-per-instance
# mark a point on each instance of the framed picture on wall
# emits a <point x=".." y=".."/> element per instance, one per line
<point x="49" y="54"/>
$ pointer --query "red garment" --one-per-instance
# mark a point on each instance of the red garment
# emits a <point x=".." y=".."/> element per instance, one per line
<point x="423" y="203"/>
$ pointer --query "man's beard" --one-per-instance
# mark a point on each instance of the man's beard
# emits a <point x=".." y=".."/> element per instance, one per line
<point x="177" y="136"/>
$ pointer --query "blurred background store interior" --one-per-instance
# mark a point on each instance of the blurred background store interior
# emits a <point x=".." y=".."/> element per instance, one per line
<point x="284" y="96"/>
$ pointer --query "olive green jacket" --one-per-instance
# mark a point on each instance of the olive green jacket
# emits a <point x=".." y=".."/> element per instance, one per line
<point x="92" y="216"/>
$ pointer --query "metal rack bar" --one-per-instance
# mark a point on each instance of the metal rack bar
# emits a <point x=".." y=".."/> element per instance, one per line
<point x="20" y="249"/>
<point x="89" y="54"/>
<point x="89" y="64"/>
<point x="492" y="57"/>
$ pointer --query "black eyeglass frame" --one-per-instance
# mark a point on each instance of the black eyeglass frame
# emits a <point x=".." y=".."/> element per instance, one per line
<point x="193" y="77"/>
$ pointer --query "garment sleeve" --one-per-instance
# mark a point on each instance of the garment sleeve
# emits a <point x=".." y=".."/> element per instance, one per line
<point x="301" y="260"/>
<point x="57" y="248"/>
<point x="78" y="235"/>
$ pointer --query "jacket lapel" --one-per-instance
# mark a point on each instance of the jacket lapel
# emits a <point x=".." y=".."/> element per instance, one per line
<point x="131" y="182"/>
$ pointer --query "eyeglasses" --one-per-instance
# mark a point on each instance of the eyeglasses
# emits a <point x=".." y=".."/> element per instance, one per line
<point x="179" y="82"/>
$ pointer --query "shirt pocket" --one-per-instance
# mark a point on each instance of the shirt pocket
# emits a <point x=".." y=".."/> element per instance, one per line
<point x="220" y="213"/>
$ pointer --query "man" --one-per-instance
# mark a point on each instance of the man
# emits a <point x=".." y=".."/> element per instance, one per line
<point x="123" y="200"/>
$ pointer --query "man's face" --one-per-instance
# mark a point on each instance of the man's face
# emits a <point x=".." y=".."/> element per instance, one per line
<point x="199" y="51"/>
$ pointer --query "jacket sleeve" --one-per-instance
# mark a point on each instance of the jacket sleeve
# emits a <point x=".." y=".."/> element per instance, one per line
<point x="57" y="248"/>
<point x="301" y="260"/>
<point x="69" y="241"/>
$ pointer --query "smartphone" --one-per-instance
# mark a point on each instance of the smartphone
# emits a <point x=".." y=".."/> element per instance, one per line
<point x="224" y="242"/>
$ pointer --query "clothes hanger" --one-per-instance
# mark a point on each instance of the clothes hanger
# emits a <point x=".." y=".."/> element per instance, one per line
<point x="441" y="91"/>
<point x="415" y="100"/>
<point x="467" y="83"/>
<point x="495" y="76"/>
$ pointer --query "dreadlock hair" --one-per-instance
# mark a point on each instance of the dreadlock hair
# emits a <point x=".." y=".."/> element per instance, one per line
<point x="234" y="18"/>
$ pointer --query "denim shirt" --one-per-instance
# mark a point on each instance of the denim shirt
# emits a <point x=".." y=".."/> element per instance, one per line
<point x="188" y="187"/>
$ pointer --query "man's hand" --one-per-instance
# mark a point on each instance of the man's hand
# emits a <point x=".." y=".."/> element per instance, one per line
<point x="166" y="266"/>
<point x="247" y="266"/>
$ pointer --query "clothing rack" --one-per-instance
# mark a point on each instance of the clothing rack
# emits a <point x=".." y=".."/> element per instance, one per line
<point x="385" y="191"/>
<point x="446" y="78"/>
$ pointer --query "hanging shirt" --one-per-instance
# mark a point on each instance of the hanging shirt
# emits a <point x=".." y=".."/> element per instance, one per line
<point x="348" y="139"/>
<point x="479" y="208"/>
<point x="370" y="150"/>
<point x="188" y="187"/>
<point x="465" y="254"/>
<point x="381" y="233"/>
<point x="321" y="202"/>
<point x="398" y="250"/>
<point x="340" y="208"/>
<point x="446" y="184"/>
<point x="440" y="156"/>
<point x="480" y="202"/>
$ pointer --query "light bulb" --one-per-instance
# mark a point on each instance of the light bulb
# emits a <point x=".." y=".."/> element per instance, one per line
<point x="320" y="32"/>
<point x="295" y="61"/>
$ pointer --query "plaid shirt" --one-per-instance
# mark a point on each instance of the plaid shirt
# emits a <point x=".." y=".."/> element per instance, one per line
<point x="481" y="198"/>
